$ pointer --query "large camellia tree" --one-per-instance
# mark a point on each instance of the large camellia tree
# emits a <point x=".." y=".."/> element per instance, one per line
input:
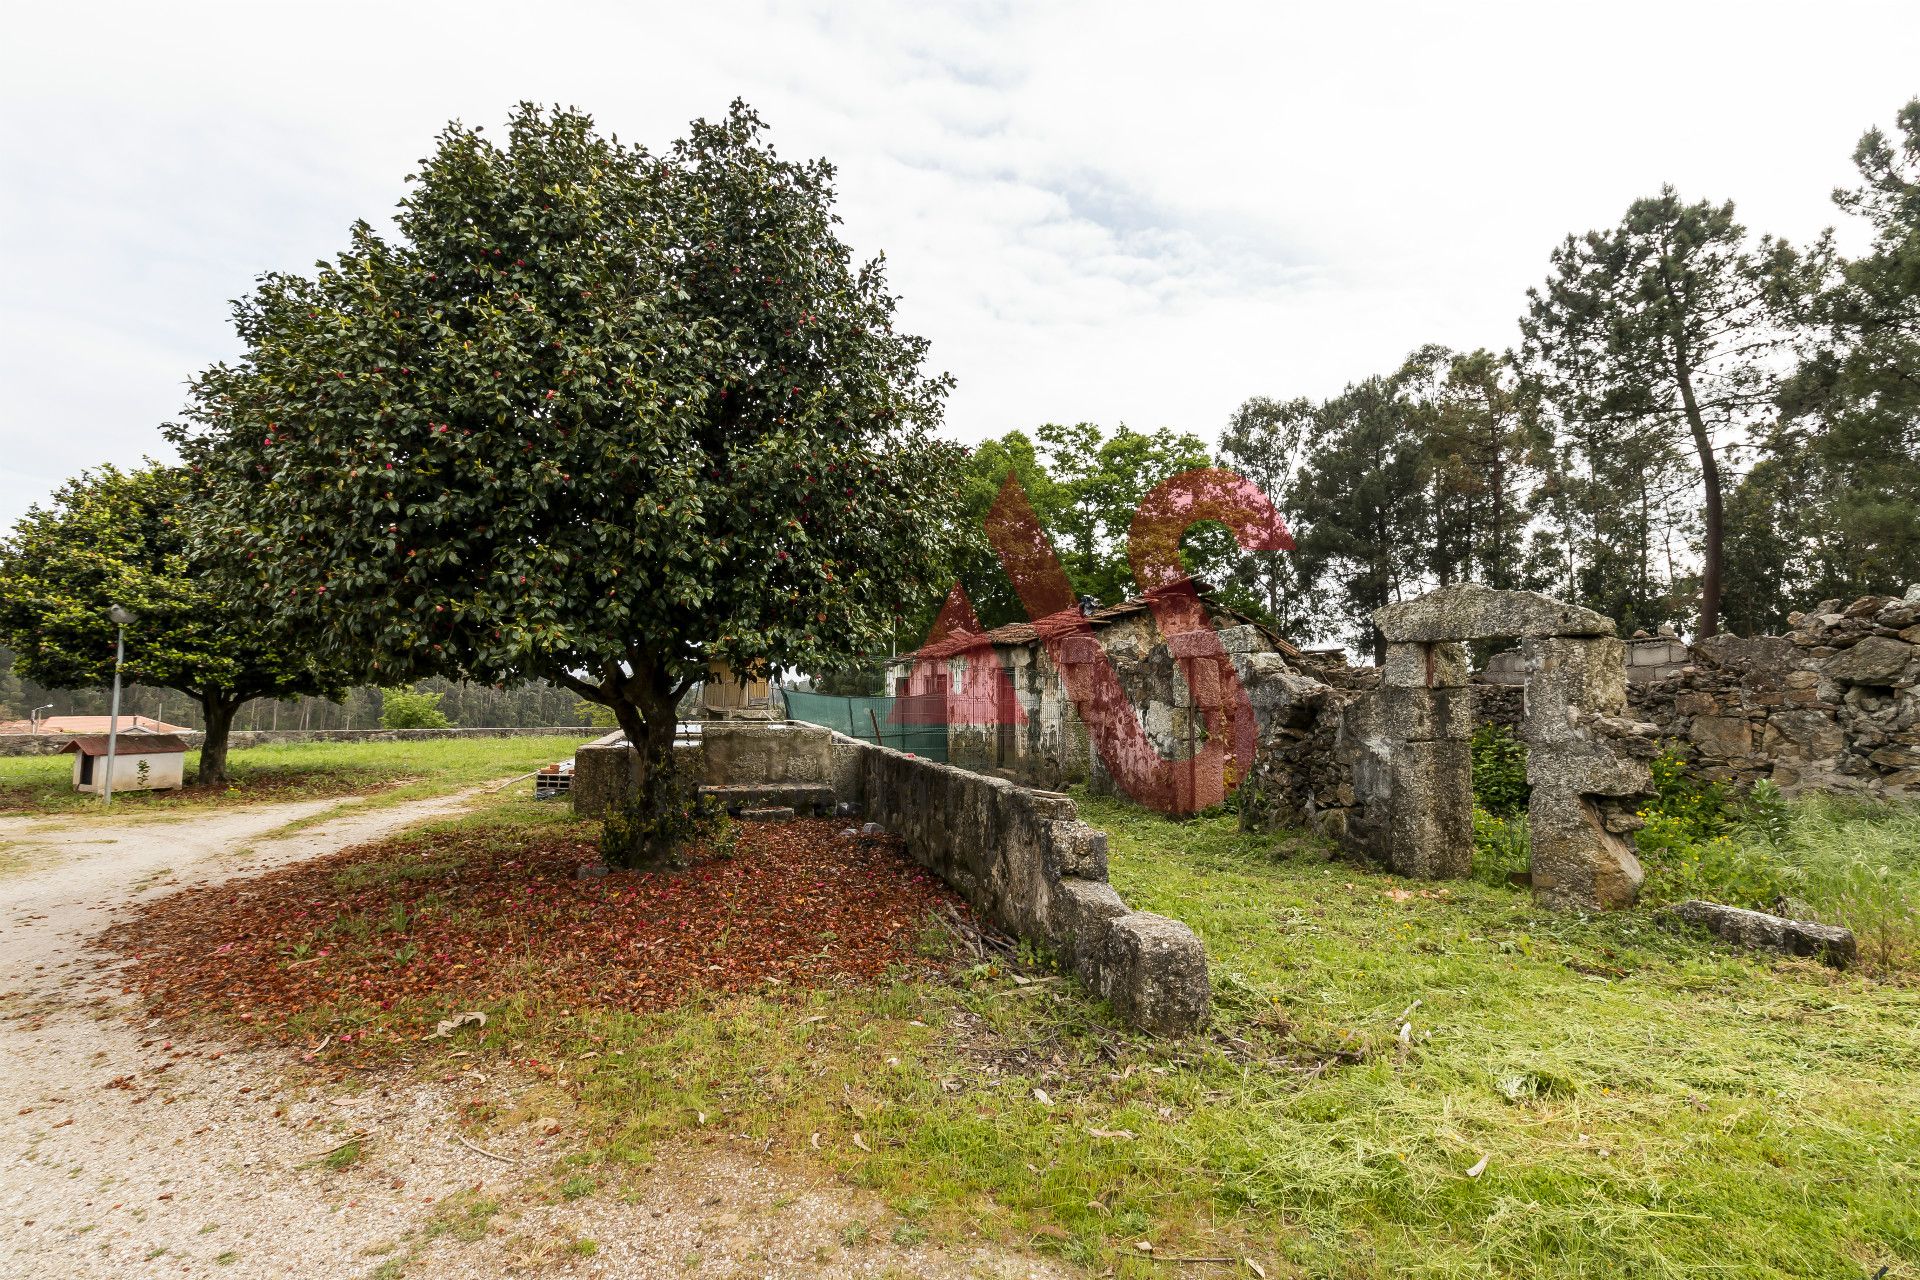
<point x="594" y="415"/>
<point x="114" y="537"/>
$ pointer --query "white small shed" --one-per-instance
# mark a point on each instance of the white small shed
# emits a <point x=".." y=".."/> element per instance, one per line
<point x="141" y="762"/>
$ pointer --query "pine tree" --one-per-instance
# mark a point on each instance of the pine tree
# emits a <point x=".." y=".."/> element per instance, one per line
<point x="1667" y="324"/>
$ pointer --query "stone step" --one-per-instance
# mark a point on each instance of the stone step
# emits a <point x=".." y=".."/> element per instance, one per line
<point x="809" y="798"/>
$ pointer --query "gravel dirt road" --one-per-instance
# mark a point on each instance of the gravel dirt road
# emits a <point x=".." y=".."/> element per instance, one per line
<point x="131" y="1149"/>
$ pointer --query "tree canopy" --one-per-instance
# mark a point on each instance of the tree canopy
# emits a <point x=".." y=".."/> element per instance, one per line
<point x="118" y="537"/>
<point x="595" y="414"/>
<point x="1665" y="325"/>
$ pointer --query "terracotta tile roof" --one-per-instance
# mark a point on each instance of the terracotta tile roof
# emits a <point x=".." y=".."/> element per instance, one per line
<point x="130" y="744"/>
<point x="93" y="724"/>
<point x="1020" y="634"/>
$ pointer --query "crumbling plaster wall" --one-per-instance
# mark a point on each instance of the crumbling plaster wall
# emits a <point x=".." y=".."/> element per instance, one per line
<point x="1049" y="744"/>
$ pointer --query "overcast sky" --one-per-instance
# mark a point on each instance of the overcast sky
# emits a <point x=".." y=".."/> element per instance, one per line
<point x="1097" y="211"/>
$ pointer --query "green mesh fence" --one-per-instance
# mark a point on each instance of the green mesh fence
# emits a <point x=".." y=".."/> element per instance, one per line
<point x="859" y="717"/>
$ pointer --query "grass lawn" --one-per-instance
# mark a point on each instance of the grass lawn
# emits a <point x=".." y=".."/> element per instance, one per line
<point x="1570" y="1096"/>
<point x="294" y="771"/>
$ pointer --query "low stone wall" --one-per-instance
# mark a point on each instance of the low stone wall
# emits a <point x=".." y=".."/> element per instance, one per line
<point x="1832" y="705"/>
<point x="46" y="744"/>
<point x="1021" y="857"/>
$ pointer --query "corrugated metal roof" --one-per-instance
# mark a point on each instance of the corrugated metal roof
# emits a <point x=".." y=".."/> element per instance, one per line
<point x="130" y="744"/>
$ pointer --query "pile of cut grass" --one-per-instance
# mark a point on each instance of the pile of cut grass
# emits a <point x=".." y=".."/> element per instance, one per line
<point x="1571" y="1095"/>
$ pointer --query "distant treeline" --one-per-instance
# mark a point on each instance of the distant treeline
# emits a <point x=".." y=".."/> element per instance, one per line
<point x="472" y="706"/>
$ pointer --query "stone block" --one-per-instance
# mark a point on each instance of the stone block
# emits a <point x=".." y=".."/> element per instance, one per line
<point x="1576" y="861"/>
<point x="1076" y="849"/>
<point x="1424" y="666"/>
<point x="1429" y="827"/>
<point x="1468" y="611"/>
<point x="1200" y="643"/>
<point x="1695" y="704"/>
<point x="1245" y="638"/>
<point x="1154" y="973"/>
<point x="1828" y="943"/>
<point x="1724" y="737"/>
<point x="1876" y="660"/>
<point x="1897" y="757"/>
<point x="1427" y="715"/>
<point x="1568" y="674"/>
<point x="602" y="779"/>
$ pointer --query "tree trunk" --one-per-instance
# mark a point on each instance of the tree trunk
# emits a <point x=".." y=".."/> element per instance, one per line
<point x="218" y="712"/>
<point x="651" y="823"/>
<point x="1715" y="523"/>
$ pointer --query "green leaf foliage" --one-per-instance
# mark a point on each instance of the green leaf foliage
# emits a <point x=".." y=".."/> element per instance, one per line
<point x="412" y="709"/>
<point x="593" y="414"/>
<point x="112" y="537"/>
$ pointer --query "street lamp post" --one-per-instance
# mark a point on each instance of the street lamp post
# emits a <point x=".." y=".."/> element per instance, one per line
<point x="121" y="617"/>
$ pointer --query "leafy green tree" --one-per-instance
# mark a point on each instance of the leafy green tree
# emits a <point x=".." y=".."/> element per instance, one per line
<point x="594" y="415"/>
<point x="1622" y="504"/>
<point x="1266" y="441"/>
<point x="118" y="537"/>
<point x="1486" y="446"/>
<point x="1363" y="504"/>
<point x="868" y="680"/>
<point x="412" y="709"/>
<point x="10" y="705"/>
<point x="985" y="470"/>
<point x="1085" y="487"/>
<point x="1100" y="483"/>
<point x="1854" y="404"/>
<point x="1670" y="321"/>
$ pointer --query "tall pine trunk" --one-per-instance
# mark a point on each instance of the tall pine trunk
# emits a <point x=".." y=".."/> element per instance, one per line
<point x="1712" y="514"/>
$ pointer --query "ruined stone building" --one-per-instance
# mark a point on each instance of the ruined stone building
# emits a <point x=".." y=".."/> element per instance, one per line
<point x="1010" y="711"/>
<point x="1376" y="760"/>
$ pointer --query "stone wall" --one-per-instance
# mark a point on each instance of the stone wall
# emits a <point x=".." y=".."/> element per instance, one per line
<point x="1832" y="705"/>
<point x="46" y="744"/>
<point x="1021" y="857"/>
<point x="1383" y="765"/>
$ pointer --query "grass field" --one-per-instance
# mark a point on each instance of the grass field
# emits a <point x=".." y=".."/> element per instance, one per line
<point x="295" y="771"/>
<point x="1402" y="1078"/>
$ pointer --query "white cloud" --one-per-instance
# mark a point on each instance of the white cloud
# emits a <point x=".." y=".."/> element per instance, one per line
<point x="1098" y="211"/>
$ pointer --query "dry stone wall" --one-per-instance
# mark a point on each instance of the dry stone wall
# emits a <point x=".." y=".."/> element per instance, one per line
<point x="1832" y="705"/>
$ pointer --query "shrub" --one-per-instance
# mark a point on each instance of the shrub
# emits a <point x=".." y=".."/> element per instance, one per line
<point x="1499" y="771"/>
<point x="1764" y="814"/>
<point x="1693" y="846"/>
<point x="412" y="709"/>
<point x="1693" y="807"/>
<point x="1501" y="847"/>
